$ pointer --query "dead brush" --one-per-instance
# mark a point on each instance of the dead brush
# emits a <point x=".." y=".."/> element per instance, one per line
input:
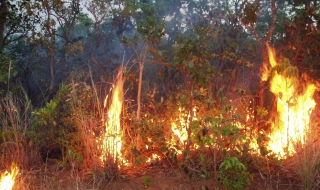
<point x="87" y="123"/>
<point x="306" y="162"/>
<point x="88" y="114"/>
<point x="15" y="151"/>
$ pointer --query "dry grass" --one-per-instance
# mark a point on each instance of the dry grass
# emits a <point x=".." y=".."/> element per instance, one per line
<point x="87" y="124"/>
<point x="14" y="148"/>
<point x="83" y="171"/>
<point x="87" y="171"/>
<point x="306" y="162"/>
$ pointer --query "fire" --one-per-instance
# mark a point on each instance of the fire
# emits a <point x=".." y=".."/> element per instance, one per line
<point x="266" y="67"/>
<point x="112" y="139"/>
<point x="7" y="179"/>
<point x="295" y="104"/>
<point x="180" y="133"/>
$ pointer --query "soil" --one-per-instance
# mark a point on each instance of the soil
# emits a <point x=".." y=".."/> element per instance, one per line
<point x="162" y="178"/>
<point x="175" y="179"/>
<point x="148" y="177"/>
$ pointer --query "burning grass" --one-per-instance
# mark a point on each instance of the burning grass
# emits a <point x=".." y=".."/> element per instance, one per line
<point x="294" y="102"/>
<point x="111" y="140"/>
<point x="8" y="178"/>
<point x="92" y="144"/>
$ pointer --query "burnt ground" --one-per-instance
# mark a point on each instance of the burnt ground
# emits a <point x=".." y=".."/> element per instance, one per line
<point x="150" y="177"/>
<point x="162" y="178"/>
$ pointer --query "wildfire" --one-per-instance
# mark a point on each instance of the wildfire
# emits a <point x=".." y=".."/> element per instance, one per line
<point x="294" y="100"/>
<point x="7" y="179"/>
<point x="112" y="139"/>
<point x="294" y="107"/>
<point x="180" y="133"/>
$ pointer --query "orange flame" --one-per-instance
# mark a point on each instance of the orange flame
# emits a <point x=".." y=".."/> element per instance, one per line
<point x="293" y="109"/>
<point x="7" y="179"/>
<point x="266" y="66"/>
<point x="112" y="139"/>
<point x="179" y="128"/>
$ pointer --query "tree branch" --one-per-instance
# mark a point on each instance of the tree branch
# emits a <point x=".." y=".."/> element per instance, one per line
<point x="273" y="22"/>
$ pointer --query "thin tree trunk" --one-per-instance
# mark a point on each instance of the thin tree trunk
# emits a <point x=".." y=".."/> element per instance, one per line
<point x="265" y="65"/>
<point x="189" y="87"/>
<point x="97" y="64"/>
<point x="191" y="105"/>
<point x="141" y="67"/>
<point x="52" y="73"/>
<point x="3" y="20"/>
<point x="215" y="163"/>
<point x="265" y="60"/>
<point x="51" y="47"/>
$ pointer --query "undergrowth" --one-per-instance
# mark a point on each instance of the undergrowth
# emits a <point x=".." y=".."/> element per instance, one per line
<point x="213" y="143"/>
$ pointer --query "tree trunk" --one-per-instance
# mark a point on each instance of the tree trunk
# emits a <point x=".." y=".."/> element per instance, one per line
<point x="141" y="66"/>
<point x="97" y="64"/>
<point x="265" y="65"/>
<point x="3" y="20"/>
<point x="307" y="4"/>
<point x="265" y="60"/>
<point x="52" y="73"/>
<point x="51" y="47"/>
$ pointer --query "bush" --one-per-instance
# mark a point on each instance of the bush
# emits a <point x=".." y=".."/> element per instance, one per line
<point x="233" y="174"/>
<point x="59" y="127"/>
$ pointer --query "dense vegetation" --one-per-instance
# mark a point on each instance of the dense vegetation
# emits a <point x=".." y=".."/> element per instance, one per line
<point x="59" y="60"/>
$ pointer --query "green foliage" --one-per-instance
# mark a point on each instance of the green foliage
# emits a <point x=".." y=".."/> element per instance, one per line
<point x="18" y="18"/>
<point x="220" y="131"/>
<point x="262" y="112"/>
<point x="146" y="180"/>
<point x="138" y="160"/>
<point x="72" y="49"/>
<point x="192" y="56"/>
<point x="233" y="174"/>
<point x="56" y="123"/>
<point x="285" y="68"/>
<point x="149" y="26"/>
<point x="299" y="41"/>
<point x="153" y="132"/>
<point x="6" y="68"/>
<point x="250" y="11"/>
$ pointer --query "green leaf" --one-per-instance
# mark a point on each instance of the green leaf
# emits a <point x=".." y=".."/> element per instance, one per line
<point x="202" y="157"/>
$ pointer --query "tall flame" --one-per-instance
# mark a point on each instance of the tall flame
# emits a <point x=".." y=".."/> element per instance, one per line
<point x="112" y="139"/>
<point x="7" y="179"/>
<point x="293" y="109"/>
<point x="179" y="127"/>
<point x="266" y="67"/>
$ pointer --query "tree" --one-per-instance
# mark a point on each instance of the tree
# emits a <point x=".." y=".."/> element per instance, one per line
<point x="151" y="31"/>
<point x="192" y="59"/>
<point x="250" y="20"/>
<point x="46" y="38"/>
<point x="17" y="19"/>
<point x="56" y="37"/>
<point x="299" y="40"/>
<point x="107" y="17"/>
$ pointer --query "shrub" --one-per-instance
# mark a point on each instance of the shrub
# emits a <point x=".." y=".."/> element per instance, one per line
<point x="65" y="124"/>
<point x="233" y="174"/>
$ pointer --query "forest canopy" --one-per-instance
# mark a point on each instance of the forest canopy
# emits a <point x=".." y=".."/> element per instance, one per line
<point x="66" y="36"/>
